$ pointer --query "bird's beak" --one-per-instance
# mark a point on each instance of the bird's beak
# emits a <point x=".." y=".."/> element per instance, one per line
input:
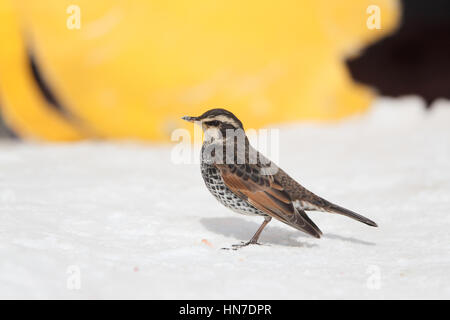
<point x="190" y="119"/>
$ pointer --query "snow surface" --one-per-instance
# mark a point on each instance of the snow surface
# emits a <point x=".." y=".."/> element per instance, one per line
<point x="136" y="225"/>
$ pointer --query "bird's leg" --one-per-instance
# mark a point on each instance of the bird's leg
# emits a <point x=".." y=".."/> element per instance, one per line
<point x="254" y="239"/>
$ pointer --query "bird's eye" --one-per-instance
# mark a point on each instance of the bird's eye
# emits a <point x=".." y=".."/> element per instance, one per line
<point x="214" y="123"/>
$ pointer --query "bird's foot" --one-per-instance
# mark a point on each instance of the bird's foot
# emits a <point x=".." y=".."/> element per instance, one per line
<point x="241" y="245"/>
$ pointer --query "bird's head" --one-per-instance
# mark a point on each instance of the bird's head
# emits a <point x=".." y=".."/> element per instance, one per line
<point x="216" y="123"/>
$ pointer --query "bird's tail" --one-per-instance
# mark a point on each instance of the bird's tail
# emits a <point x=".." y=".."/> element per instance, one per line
<point x="348" y="213"/>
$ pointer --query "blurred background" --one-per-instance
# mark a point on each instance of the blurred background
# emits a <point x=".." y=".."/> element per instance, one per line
<point x="72" y="70"/>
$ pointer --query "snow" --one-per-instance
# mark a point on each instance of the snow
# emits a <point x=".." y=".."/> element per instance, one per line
<point x="121" y="220"/>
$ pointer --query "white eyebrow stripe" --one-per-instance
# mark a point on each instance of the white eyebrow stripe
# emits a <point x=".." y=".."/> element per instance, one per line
<point x="223" y="119"/>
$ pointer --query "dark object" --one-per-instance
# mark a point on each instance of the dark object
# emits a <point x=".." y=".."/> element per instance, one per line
<point x="414" y="60"/>
<point x="5" y="130"/>
<point x="52" y="100"/>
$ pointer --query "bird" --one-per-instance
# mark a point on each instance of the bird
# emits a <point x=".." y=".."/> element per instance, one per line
<point x="245" y="181"/>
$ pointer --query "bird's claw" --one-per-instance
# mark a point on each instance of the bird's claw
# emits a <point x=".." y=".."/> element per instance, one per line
<point x="241" y="245"/>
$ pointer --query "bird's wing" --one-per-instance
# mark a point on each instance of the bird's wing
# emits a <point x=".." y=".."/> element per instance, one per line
<point x="265" y="194"/>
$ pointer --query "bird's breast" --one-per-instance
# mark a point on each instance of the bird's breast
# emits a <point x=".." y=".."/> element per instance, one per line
<point x="214" y="183"/>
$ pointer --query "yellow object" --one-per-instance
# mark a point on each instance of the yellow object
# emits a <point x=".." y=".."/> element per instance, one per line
<point x="133" y="68"/>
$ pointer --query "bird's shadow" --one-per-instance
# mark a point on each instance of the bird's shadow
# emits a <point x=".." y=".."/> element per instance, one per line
<point x="243" y="230"/>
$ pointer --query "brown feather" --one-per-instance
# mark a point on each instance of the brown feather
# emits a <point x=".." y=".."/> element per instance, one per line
<point x="273" y="201"/>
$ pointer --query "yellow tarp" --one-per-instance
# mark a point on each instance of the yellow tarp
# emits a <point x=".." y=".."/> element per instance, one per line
<point x="133" y="68"/>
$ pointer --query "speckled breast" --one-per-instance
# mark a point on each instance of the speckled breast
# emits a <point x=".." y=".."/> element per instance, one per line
<point x="220" y="191"/>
